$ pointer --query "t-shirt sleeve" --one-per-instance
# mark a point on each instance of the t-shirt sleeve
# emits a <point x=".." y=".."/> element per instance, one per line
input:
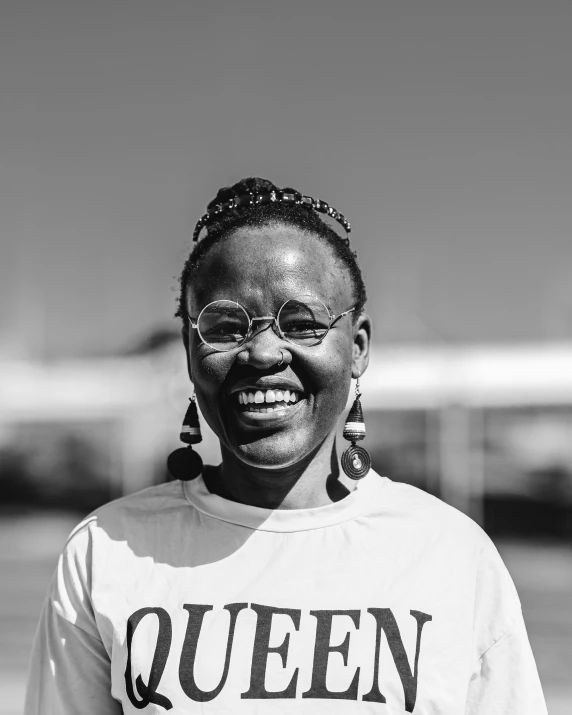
<point x="505" y="681"/>
<point x="70" y="669"/>
<point x="504" y="677"/>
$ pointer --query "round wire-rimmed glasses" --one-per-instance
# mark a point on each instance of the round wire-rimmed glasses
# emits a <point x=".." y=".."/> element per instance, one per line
<point x="224" y="325"/>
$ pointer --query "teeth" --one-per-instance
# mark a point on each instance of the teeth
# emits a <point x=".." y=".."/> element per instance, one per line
<point x="267" y="396"/>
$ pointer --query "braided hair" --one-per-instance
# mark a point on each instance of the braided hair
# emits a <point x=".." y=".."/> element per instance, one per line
<point x="301" y="216"/>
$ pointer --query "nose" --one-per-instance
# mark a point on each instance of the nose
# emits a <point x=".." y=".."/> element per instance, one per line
<point x="265" y="349"/>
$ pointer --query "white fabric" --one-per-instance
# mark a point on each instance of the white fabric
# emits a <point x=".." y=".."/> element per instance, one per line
<point x="386" y="602"/>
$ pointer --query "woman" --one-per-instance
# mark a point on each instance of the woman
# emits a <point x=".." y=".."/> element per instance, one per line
<point x="279" y="582"/>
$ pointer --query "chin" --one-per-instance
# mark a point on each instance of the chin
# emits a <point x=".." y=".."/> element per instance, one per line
<point x="271" y="458"/>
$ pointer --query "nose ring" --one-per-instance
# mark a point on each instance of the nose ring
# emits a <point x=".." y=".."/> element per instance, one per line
<point x="281" y="359"/>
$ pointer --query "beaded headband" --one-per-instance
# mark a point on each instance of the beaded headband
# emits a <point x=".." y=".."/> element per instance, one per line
<point x="268" y="197"/>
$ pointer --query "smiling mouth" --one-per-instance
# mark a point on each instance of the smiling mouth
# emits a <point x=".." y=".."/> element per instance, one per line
<point x="267" y="400"/>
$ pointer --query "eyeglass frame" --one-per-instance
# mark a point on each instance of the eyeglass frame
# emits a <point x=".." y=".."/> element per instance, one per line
<point x="194" y="323"/>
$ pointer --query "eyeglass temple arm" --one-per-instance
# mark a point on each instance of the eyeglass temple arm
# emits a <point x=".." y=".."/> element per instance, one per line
<point x="335" y="318"/>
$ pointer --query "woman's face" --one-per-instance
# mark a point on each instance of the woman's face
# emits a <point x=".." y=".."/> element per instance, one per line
<point x="261" y="268"/>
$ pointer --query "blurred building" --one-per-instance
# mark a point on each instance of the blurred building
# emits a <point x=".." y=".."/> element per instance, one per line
<point x="76" y="433"/>
<point x="487" y="428"/>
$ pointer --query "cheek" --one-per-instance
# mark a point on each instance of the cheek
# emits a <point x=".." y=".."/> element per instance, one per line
<point x="209" y="373"/>
<point x="209" y="370"/>
<point x="333" y="371"/>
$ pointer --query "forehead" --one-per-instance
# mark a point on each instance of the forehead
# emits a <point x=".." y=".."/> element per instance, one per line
<point x="263" y="267"/>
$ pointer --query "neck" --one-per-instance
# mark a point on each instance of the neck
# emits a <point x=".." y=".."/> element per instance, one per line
<point x="315" y="481"/>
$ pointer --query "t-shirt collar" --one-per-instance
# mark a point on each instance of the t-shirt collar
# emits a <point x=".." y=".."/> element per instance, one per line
<point x="285" y="520"/>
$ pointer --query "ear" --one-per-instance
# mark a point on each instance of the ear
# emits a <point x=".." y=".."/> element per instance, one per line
<point x="361" y="345"/>
<point x="186" y="341"/>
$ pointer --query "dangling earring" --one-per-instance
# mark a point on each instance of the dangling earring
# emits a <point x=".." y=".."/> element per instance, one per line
<point x="191" y="428"/>
<point x="184" y="463"/>
<point x="356" y="461"/>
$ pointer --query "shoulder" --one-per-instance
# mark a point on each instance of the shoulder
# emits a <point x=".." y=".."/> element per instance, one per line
<point x="122" y="518"/>
<point x="423" y="519"/>
<point x="168" y="495"/>
<point x="443" y="519"/>
<point x="419" y="508"/>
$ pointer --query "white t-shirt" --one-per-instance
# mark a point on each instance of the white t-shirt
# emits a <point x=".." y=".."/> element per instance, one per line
<point x="388" y="601"/>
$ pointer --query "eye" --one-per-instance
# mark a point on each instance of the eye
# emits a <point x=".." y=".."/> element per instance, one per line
<point x="299" y="326"/>
<point x="303" y="330"/>
<point x="224" y="327"/>
<point x="223" y="322"/>
<point x="305" y="321"/>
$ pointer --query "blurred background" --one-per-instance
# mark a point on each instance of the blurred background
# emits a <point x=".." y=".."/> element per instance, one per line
<point x="440" y="129"/>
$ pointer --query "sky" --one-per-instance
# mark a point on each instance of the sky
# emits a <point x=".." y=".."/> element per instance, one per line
<point x="441" y="129"/>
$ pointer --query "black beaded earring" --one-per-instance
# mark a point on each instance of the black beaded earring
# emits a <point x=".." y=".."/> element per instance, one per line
<point x="184" y="463"/>
<point x="356" y="461"/>
<point x="191" y="428"/>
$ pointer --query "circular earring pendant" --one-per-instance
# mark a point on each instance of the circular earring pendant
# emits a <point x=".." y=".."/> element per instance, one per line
<point x="184" y="464"/>
<point x="356" y="462"/>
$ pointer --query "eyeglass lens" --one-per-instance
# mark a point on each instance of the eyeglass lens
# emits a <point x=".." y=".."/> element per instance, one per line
<point x="224" y="324"/>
